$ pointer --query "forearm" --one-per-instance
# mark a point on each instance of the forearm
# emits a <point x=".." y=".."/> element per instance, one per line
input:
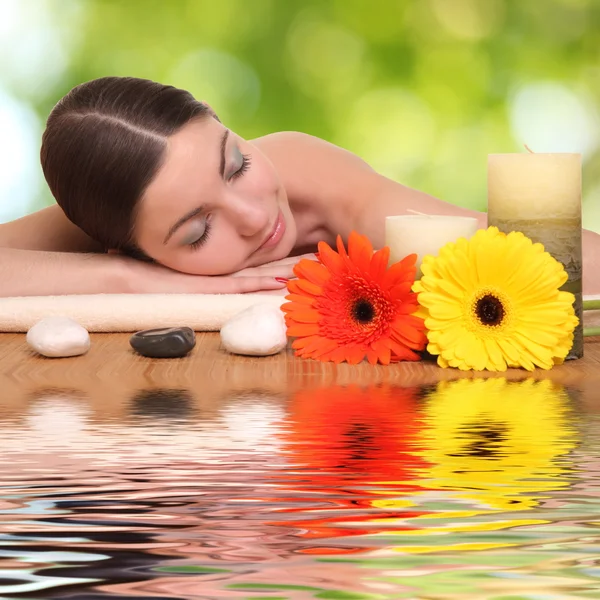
<point x="591" y="263"/>
<point x="33" y="273"/>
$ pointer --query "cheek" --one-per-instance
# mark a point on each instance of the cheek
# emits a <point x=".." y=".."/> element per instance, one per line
<point x="265" y="178"/>
<point x="223" y="253"/>
<point x="201" y="263"/>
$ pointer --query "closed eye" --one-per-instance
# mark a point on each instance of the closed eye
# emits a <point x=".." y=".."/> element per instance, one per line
<point x="246" y="158"/>
<point x="203" y="238"/>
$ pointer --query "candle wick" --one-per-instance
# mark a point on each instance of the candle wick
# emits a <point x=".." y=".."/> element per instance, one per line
<point x="529" y="149"/>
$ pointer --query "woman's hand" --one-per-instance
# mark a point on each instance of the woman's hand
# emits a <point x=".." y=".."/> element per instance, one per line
<point x="278" y="268"/>
<point x="149" y="278"/>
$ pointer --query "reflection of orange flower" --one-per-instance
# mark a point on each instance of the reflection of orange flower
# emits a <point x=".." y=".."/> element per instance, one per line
<point x="348" y="433"/>
<point x="350" y="305"/>
<point x="345" y="446"/>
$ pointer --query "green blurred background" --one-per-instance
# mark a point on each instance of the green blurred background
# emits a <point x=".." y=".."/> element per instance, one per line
<point x="423" y="90"/>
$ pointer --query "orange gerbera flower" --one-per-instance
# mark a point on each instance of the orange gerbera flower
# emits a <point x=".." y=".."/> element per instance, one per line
<point x="346" y="306"/>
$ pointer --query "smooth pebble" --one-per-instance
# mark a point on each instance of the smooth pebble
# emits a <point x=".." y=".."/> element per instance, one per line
<point x="167" y="342"/>
<point x="58" y="337"/>
<point x="256" y="331"/>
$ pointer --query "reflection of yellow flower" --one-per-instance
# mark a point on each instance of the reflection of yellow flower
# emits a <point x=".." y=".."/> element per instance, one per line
<point x="494" y="301"/>
<point x="491" y="446"/>
<point x="492" y="440"/>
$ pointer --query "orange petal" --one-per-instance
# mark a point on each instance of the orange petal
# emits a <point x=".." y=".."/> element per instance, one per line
<point x="405" y="326"/>
<point x="360" y="251"/>
<point x="294" y="288"/>
<point x="403" y="270"/>
<point x="401" y="291"/>
<point x="303" y="342"/>
<point x="414" y="321"/>
<point x="302" y="329"/>
<point x="295" y="299"/>
<point x="338" y="355"/>
<point x="325" y="356"/>
<point x="313" y="271"/>
<point x="304" y="316"/>
<point x="402" y="352"/>
<point x="406" y="308"/>
<point x="355" y="354"/>
<point x="379" y="263"/>
<point x="324" y="347"/>
<point x="372" y="356"/>
<point x="382" y="350"/>
<point x="289" y="307"/>
<point x="307" y="287"/>
<point x="385" y="356"/>
<point x="404" y="341"/>
<point x="316" y="346"/>
<point x="408" y="355"/>
<point x="340" y="247"/>
<point x="330" y="258"/>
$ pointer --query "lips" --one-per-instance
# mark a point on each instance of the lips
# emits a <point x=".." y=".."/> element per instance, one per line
<point x="276" y="233"/>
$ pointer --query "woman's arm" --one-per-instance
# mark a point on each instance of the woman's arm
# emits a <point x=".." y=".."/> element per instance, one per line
<point x="44" y="254"/>
<point x="385" y="204"/>
<point x="37" y="273"/>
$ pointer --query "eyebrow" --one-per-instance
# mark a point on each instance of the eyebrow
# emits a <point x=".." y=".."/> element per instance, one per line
<point x="223" y="146"/>
<point x="196" y="211"/>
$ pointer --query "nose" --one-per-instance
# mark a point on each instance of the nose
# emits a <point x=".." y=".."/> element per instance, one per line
<point x="249" y="215"/>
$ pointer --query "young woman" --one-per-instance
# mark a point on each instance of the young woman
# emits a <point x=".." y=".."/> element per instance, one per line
<point x="154" y="194"/>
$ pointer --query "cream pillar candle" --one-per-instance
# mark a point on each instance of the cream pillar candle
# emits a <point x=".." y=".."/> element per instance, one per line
<point x="424" y="234"/>
<point x="540" y="195"/>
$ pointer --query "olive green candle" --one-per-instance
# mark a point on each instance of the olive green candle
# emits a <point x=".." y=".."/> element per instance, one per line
<point x="540" y="195"/>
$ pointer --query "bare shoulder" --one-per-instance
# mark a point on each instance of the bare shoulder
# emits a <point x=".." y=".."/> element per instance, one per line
<point x="285" y="146"/>
<point x="309" y="165"/>
<point x="49" y="230"/>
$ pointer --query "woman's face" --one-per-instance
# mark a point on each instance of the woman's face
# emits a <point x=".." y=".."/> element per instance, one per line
<point x="216" y="205"/>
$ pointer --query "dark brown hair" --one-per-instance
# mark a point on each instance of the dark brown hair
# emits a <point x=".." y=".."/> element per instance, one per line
<point x="103" y="144"/>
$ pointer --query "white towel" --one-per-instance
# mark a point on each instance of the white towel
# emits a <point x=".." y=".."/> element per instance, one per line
<point x="134" y="312"/>
<point x="130" y="312"/>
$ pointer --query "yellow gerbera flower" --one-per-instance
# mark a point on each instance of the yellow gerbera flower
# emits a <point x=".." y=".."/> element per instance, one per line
<point x="494" y="302"/>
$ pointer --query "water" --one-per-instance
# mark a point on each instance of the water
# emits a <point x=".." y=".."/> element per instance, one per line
<point x="482" y="489"/>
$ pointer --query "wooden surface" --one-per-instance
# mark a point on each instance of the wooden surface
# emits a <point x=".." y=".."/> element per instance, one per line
<point x="111" y="372"/>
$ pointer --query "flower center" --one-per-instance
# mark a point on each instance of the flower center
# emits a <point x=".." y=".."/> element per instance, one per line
<point x="489" y="310"/>
<point x="363" y="311"/>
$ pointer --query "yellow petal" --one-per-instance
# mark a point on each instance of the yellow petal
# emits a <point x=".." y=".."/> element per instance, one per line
<point x="495" y="354"/>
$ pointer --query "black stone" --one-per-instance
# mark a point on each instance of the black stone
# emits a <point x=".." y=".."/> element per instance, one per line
<point x="168" y="342"/>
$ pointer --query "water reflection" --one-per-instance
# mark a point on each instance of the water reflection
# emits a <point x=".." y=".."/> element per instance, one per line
<point x="161" y="403"/>
<point x="493" y="446"/>
<point x="340" y="444"/>
<point x="499" y="443"/>
<point x="471" y="488"/>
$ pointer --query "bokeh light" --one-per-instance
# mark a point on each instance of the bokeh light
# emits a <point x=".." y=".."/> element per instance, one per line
<point x="549" y="117"/>
<point x="19" y="173"/>
<point x="229" y="85"/>
<point x="421" y="90"/>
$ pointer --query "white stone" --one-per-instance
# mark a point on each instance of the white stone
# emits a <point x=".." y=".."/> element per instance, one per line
<point x="58" y="337"/>
<point x="256" y="331"/>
